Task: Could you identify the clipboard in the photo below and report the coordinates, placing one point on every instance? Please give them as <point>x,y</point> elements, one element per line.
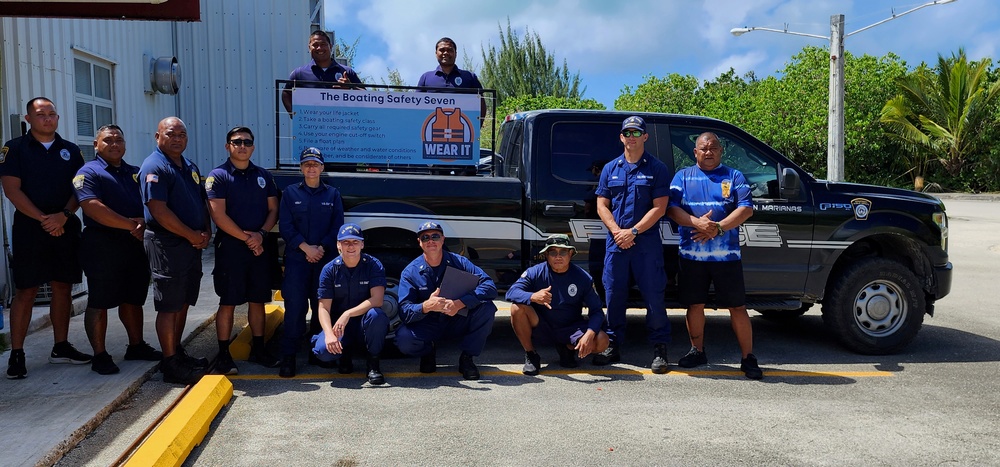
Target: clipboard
<point>457,283</point>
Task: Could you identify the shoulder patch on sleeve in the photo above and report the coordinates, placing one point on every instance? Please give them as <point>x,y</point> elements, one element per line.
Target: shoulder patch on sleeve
<point>78,181</point>
<point>3,154</point>
<point>209,181</point>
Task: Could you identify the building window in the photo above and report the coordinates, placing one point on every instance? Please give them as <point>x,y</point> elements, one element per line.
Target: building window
<point>94,101</point>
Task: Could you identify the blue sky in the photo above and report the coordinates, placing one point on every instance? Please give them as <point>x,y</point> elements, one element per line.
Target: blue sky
<point>614,44</point>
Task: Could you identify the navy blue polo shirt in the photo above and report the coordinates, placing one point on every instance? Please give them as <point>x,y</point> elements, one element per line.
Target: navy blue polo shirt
<point>632,189</point>
<point>116,187</point>
<point>456,79</point>
<point>348,287</point>
<point>179,186</point>
<point>571,290</point>
<point>46,174</point>
<point>313,72</point>
<point>245,191</point>
<point>310,215</point>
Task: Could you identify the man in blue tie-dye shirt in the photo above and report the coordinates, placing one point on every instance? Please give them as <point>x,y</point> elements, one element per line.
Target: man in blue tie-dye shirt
<point>709,201</point>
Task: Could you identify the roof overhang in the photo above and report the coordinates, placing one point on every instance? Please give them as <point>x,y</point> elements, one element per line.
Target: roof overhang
<point>153,10</point>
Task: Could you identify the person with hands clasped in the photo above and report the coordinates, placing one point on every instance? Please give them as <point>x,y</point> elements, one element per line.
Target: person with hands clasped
<point>547,305</point>
<point>428,316</point>
<point>351,289</point>
<point>309,216</point>
<point>631,198</point>
<point>709,202</point>
<point>243,202</point>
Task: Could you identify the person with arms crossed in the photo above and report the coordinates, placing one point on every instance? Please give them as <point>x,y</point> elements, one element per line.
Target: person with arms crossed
<point>36,171</point>
<point>309,217</point>
<point>111,249</point>
<point>449,75</point>
<point>177,231</point>
<point>709,202</point>
<point>547,305</point>
<point>631,198</point>
<point>243,203</point>
<point>429,317</point>
<point>322,67</point>
<point>351,288</point>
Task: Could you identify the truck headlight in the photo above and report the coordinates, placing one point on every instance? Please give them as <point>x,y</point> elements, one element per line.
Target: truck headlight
<point>941,219</point>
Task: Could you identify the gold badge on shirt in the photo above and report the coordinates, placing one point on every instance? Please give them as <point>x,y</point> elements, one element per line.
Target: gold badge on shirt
<point>195,177</point>
<point>726,186</point>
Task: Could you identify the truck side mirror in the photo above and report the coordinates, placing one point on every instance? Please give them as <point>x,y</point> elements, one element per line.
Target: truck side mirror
<point>790,183</point>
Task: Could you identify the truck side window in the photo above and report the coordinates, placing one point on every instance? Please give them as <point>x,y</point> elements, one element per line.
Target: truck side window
<point>510,148</point>
<point>760,171</point>
<point>581,149</point>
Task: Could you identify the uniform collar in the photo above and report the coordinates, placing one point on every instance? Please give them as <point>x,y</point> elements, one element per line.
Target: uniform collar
<point>231,169</point>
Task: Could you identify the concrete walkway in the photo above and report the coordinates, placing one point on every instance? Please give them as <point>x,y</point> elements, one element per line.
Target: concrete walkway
<point>46,414</point>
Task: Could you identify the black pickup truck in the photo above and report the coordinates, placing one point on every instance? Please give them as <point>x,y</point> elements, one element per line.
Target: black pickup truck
<point>875,257</point>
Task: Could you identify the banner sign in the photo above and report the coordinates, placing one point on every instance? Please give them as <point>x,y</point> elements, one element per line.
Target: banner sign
<point>387,127</point>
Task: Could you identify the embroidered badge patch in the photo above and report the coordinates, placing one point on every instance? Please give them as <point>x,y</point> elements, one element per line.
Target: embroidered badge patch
<point>78,182</point>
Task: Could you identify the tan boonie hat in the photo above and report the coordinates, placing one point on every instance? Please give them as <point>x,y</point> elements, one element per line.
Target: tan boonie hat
<point>558,241</point>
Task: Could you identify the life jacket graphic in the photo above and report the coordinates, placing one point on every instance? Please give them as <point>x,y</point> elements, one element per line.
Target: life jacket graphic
<point>448,126</point>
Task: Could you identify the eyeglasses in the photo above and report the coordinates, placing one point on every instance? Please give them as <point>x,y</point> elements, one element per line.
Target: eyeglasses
<point>427,238</point>
<point>554,252</point>
<point>632,133</point>
<point>242,142</point>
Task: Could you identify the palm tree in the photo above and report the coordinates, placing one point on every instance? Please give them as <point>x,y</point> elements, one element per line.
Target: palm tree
<point>941,113</point>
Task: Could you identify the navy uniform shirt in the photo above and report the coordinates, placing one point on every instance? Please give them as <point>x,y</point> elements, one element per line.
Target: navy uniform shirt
<point>419,280</point>
<point>312,72</point>
<point>571,290</point>
<point>348,287</point>
<point>456,79</point>
<point>116,187</point>
<point>245,191</point>
<point>310,215</point>
<point>632,189</point>
<point>180,187</point>
<point>46,174</point>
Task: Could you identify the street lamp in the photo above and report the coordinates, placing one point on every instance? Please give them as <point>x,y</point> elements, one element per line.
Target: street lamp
<point>835,125</point>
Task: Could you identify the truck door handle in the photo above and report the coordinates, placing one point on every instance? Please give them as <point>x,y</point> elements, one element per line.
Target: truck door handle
<point>564,210</point>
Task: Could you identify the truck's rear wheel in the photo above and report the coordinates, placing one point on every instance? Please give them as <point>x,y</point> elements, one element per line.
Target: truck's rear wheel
<point>876,306</point>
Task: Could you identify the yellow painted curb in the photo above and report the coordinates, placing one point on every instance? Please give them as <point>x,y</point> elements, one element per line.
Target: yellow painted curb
<point>184,428</point>
<point>239,348</point>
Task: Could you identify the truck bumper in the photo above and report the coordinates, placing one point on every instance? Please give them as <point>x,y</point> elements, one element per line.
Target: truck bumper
<point>942,278</point>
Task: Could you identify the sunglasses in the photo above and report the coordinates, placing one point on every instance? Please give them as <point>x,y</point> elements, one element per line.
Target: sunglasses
<point>429,237</point>
<point>242,142</point>
<point>558,252</point>
<point>632,133</point>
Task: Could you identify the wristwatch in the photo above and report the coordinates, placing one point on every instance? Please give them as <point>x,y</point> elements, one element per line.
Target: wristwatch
<point>719,226</point>
<point>635,232</point>
<point>67,213</point>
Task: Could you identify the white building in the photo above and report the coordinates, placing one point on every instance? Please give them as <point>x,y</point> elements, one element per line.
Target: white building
<point>99,71</point>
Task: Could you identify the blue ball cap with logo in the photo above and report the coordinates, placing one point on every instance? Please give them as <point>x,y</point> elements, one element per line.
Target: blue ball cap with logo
<point>350,232</point>
<point>310,154</point>
<point>429,225</point>
<point>634,123</point>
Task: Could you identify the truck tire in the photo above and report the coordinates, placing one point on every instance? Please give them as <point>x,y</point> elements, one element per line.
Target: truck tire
<point>875,307</point>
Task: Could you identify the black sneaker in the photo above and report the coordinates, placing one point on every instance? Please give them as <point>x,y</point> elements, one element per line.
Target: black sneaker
<point>315,361</point>
<point>428,363</point>
<point>16,368</point>
<point>693,358</point>
<point>610,355</point>
<point>567,357</point>
<point>143,351</point>
<point>177,370</point>
<point>224,365</point>
<point>467,367</point>
<point>532,363</point>
<point>345,365</point>
<point>375,376</point>
<point>262,358</point>
<point>103,364</point>
<point>287,369</point>
<point>750,368</point>
<point>64,352</point>
<point>660,363</point>
<point>199,363</point>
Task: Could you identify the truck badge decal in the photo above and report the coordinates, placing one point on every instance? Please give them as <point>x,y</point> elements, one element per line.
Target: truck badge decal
<point>447,134</point>
<point>861,207</point>
<point>727,184</point>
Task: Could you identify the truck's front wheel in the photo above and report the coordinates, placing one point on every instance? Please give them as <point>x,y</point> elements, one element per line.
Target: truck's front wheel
<point>876,306</point>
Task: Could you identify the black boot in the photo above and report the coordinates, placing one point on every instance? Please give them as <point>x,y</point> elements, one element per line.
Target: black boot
<point>375,376</point>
